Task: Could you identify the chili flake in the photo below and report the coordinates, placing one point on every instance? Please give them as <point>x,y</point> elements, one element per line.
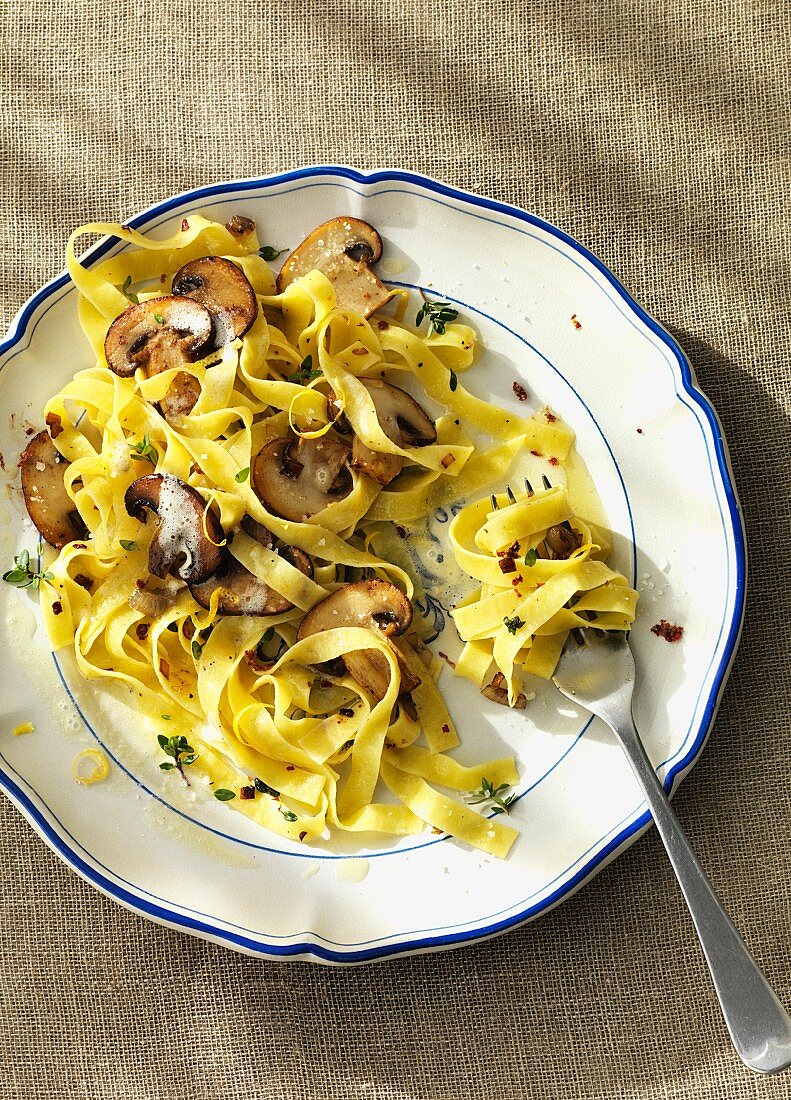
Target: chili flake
<point>669,631</point>
<point>520,391</point>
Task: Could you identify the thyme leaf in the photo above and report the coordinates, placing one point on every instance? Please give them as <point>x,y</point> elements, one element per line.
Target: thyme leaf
<point>488,793</point>
<point>268,252</point>
<point>133,298</point>
<point>179,750</point>
<point>305,372</point>
<point>264,788</point>
<point>144,452</point>
<point>438,315</point>
<point>22,575</point>
<point>513,624</point>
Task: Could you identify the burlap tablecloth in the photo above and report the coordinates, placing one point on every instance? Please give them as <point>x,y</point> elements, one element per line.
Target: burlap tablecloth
<point>656,134</point>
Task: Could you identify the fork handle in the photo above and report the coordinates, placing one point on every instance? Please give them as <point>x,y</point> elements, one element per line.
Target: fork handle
<point>759,1025</point>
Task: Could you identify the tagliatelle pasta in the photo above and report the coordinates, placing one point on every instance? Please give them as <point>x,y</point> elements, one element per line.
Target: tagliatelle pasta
<point>218,659</point>
<point>527,603</point>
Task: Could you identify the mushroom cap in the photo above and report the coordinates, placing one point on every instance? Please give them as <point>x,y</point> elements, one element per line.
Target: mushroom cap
<point>375,605</point>
<point>342,249</point>
<point>296,479</point>
<point>137,338</point>
<point>242,593</point>
<point>52,510</point>
<point>224,289</point>
<point>180,544</point>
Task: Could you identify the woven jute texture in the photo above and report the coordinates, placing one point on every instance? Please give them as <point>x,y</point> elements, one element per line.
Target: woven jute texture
<point>656,134</point>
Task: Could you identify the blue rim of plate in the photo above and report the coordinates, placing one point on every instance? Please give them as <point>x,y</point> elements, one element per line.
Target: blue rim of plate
<point>257,945</point>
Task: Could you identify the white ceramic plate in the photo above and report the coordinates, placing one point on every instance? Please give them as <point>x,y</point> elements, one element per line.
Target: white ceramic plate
<point>655,449</point>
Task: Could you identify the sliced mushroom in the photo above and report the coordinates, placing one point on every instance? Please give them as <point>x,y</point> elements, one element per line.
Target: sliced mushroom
<point>497,691</point>
<point>380,467</point>
<point>242,593</point>
<point>48,504</point>
<point>342,249</point>
<point>400,417</point>
<point>158,335</point>
<point>240,226</point>
<point>295,479</point>
<point>225,291</point>
<point>186,534</point>
<point>563,540</point>
<point>375,605</point>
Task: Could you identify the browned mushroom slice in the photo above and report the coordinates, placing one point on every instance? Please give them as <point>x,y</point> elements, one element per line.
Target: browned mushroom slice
<point>295,479</point>
<point>402,419</point>
<point>186,532</point>
<point>497,691</point>
<point>158,335</point>
<point>241,592</point>
<point>240,226</point>
<point>375,605</point>
<point>48,504</point>
<point>563,540</point>
<point>225,291</point>
<point>342,249</point>
<point>380,467</point>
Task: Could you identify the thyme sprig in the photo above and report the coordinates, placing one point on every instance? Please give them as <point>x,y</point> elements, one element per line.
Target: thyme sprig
<point>305,372</point>
<point>133,298</point>
<point>145,451</point>
<point>181,752</point>
<point>438,315</point>
<point>22,575</point>
<point>270,253</point>
<point>488,793</point>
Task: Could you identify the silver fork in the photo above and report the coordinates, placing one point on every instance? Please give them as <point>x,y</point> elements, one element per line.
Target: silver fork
<point>599,675</point>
